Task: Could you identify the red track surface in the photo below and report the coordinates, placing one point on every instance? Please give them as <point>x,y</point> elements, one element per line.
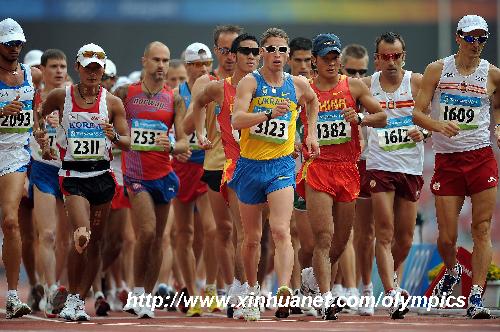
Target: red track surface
<point>211,322</point>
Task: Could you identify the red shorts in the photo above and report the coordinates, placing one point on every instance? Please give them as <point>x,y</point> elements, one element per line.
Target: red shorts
<point>120,200</point>
<point>364,191</point>
<point>407,186</point>
<point>227,175</point>
<point>464,173</point>
<point>339,179</point>
<point>191,187</point>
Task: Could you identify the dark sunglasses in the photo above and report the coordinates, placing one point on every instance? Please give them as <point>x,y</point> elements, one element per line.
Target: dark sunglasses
<point>273,49</point>
<point>223,50</point>
<point>389,56</point>
<point>248,50</point>
<point>14,43</point>
<point>472,39</point>
<point>353,72</point>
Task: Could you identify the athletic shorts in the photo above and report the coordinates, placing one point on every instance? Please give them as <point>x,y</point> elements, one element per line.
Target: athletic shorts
<point>120,200</point>
<point>46,178</point>
<point>253,180</point>
<point>191,187</point>
<point>227,175</point>
<point>212,179</point>
<point>14,160</point>
<point>364,190</point>
<point>97,190</point>
<point>464,173</point>
<point>298,202</point>
<point>162,190</point>
<point>404,185</point>
<point>338,179</point>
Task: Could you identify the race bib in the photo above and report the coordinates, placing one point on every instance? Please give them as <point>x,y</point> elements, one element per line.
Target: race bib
<point>193,140</point>
<point>332,128</point>
<point>19,123</point>
<point>394,136</point>
<point>465,110</point>
<point>144,133</point>
<point>87,143</point>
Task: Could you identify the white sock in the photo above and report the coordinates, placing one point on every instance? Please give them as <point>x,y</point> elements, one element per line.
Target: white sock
<point>139,290</point>
<point>12,293</point>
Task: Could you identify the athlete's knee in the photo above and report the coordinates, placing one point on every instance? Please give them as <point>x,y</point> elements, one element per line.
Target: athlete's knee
<point>225,233</point>
<point>10,224</point>
<point>324,240</point>
<point>281,235</point>
<point>252,240</point>
<point>481,231</point>
<point>47,238</point>
<point>81,237</point>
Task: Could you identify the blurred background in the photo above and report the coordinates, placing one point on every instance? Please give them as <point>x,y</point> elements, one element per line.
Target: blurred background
<point>124,27</point>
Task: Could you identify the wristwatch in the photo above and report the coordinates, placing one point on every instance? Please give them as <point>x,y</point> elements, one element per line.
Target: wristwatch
<point>361,117</point>
<point>269,114</point>
<point>116,139</point>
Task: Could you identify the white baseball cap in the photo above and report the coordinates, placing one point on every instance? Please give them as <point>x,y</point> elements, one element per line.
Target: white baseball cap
<point>33,58</point>
<point>110,69</point>
<point>469,23</point>
<point>11,30</point>
<point>197,52</point>
<point>95,54</point>
<point>135,76</point>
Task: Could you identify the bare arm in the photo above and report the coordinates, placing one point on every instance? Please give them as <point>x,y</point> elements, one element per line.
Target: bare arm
<point>428,86</point>
<point>36,76</point>
<point>495,102</point>
<point>181,144</point>
<point>377,117</point>
<point>198,86</point>
<point>241,118</point>
<point>117,122</point>
<point>308,97</point>
<point>213,91</point>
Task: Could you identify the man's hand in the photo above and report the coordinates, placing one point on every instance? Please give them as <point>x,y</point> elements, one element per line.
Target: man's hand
<point>109,130</point>
<point>448,128</point>
<point>416,135</point>
<point>497,135</point>
<point>312,146</point>
<point>14,108</point>
<point>48,153</point>
<point>163,141</point>
<point>280,109</point>
<point>204,143</point>
<point>184,157</point>
<point>53,119</point>
<point>296,150</point>
<point>350,115</point>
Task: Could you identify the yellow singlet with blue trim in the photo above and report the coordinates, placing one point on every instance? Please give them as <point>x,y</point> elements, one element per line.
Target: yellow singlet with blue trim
<point>274,138</point>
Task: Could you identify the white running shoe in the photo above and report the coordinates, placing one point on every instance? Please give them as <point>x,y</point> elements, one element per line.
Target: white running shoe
<point>15,308</point>
<point>251,312</point>
<point>68,311</point>
<point>130,307</point>
<point>309,285</point>
<point>366,308</point>
<point>146,312</point>
<point>80,314</point>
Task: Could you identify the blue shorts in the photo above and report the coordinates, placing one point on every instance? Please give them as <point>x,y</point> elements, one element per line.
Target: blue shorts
<point>46,178</point>
<point>253,180</point>
<point>162,190</point>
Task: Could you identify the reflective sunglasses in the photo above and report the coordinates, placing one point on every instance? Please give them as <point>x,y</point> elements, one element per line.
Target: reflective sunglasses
<point>273,49</point>
<point>248,50</point>
<point>223,50</point>
<point>472,39</point>
<point>14,43</point>
<point>199,64</point>
<point>389,56</point>
<point>92,54</point>
<point>353,72</point>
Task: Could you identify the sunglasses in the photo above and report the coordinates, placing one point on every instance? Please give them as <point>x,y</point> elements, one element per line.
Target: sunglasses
<point>273,49</point>
<point>472,39</point>
<point>248,50</point>
<point>389,56</point>
<point>14,43</point>
<point>223,50</point>
<point>199,64</point>
<point>92,54</point>
<point>353,72</point>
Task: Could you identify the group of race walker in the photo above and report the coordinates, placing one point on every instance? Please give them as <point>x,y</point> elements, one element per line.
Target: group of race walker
<point>310,174</point>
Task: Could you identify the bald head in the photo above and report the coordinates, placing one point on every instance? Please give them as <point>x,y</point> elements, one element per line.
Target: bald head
<point>156,45</point>
<point>156,60</point>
